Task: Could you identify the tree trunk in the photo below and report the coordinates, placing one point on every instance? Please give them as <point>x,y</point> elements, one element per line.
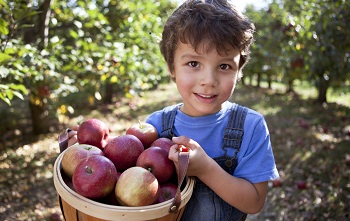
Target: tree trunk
<point>243,80</point>
<point>290,86</point>
<point>251,80</point>
<point>40,116</point>
<point>40,110</point>
<point>44,20</point>
<point>258,80</point>
<point>322,88</point>
<point>108,93</point>
<point>269,81</point>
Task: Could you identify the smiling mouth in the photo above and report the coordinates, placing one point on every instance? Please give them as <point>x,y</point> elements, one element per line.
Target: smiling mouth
<point>206,96</point>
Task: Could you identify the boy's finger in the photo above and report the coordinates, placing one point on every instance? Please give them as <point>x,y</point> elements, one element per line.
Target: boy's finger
<point>173,152</point>
<point>75,127</point>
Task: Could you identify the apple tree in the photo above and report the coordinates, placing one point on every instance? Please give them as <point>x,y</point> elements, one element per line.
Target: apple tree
<point>266,59</point>
<point>50,49</point>
<point>324,36</point>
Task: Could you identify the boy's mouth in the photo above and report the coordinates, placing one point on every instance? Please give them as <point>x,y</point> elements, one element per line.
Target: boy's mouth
<point>205,96</point>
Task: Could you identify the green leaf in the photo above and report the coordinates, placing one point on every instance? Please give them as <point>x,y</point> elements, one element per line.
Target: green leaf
<point>19,87</point>
<point>74,34</point>
<point>17,94</point>
<point>26,26</point>
<point>9,94</point>
<point>3,3</point>
<point>3,27</point>
<point>4,57</point>
<point>5,99</point>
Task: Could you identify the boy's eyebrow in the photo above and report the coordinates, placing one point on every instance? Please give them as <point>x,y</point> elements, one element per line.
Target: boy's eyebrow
<point>186,56</point>
<point>196,56</point>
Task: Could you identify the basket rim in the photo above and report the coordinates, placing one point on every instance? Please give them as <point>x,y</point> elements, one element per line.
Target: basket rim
<point>110,212</point>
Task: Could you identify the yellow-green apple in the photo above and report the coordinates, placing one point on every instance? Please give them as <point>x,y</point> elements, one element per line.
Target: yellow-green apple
<point>137,187</point>
<point>95,177</point>
<point>94,132</point>
<point>163,142</point>
<point>123,151</point>
<point>156,160</point>
<point>167,191</point>
<point>75,154</point>
<point>146,132</point>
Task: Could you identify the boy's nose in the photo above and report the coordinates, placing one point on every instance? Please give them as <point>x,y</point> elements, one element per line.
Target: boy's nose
<point>209,78</point>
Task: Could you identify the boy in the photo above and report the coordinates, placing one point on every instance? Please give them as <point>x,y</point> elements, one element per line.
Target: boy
<point>206,45</point>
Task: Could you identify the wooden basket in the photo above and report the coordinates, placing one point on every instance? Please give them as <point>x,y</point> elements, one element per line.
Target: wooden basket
<point>78,208</point>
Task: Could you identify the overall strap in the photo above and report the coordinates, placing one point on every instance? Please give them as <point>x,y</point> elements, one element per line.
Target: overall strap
<point>168,118</point>
<point>234,131</point>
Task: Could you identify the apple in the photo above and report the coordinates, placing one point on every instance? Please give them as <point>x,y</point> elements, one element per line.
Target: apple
<point>184,148</point>
<point>95,177</point>
<point>123,151</point>
<point>347,159</point>
<point>156,160</point>
<point>301,185</point>
<point>146,132</point>
<point>167,191</point>
<point>94,132</point>
<point>276,182</point>
<point>75,154</point>
<point>163,142</point>
<point>137,187</point>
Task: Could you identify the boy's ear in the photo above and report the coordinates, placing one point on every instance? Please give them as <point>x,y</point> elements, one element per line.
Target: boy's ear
<point>171,72</point>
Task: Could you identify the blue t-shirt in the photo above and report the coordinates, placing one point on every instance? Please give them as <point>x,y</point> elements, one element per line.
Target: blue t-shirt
<point>255,159</point>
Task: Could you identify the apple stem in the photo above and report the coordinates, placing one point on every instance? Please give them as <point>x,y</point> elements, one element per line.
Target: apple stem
<point>140,124</point>
<point>88,169</point>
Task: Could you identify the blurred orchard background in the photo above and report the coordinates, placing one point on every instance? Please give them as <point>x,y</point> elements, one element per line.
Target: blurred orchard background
<point>64,61</point>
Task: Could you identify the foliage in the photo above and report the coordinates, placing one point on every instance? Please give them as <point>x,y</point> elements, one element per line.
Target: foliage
<point>310,40</point>
<point>88,43</point>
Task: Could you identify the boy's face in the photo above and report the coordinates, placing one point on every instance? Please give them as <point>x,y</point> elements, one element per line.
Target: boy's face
<point>205,80</point>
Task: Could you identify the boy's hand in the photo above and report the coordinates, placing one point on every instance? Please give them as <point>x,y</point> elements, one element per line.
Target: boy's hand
<point>72,136</point>
<point>198,158</point>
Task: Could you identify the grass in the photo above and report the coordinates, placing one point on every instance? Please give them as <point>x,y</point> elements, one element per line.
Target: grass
<point>310,143</point>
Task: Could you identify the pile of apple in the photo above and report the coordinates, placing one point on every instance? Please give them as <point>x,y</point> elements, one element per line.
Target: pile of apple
<point>132,169</point>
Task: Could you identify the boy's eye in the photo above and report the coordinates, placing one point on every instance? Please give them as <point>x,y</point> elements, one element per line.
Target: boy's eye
<point>224,66</point>
<point>193,64</point>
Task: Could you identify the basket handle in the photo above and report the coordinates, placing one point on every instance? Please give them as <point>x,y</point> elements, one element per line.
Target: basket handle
<point>181,174</point>
<point>63,140</point>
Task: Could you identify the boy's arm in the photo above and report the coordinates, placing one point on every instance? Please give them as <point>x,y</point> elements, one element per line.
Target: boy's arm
<point>238,192</point>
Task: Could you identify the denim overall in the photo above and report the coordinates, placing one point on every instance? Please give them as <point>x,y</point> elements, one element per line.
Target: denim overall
<point>208,205</point>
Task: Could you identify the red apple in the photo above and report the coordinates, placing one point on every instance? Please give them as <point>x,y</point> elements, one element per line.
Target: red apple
<point>95,177</point>
<point>167,192</point>
<point>118,175</point>
<point>156,160</point>
<point>146,132</point>
<point>301,185</point>
<point>123,151</point>
<point>163,142</point>
<point>137,187</point>
<point>75,154</point>
<point>347,159</point>
<point>277,182</point>
<point>184,148</point>
<point>94,132</point>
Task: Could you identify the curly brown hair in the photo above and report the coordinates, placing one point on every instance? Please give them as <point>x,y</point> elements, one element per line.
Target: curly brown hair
<point>215,21</point>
